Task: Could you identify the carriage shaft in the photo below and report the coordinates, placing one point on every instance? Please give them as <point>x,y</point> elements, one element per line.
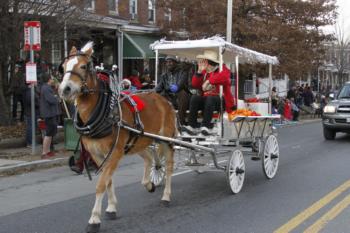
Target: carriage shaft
<point>189,145</point>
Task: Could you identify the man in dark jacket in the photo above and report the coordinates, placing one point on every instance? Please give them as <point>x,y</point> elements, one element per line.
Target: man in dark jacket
<point>49,110</point>
<point>17,89</point>
<point>308,97</point>
<point>173,86</point>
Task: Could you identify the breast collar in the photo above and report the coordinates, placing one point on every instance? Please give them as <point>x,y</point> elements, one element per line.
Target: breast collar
<point>101,120</point>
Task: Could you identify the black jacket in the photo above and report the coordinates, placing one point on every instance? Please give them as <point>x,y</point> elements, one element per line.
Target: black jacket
<point>178,76</point>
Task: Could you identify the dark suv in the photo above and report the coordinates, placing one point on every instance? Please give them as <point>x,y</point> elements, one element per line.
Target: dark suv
<point>336,114</point>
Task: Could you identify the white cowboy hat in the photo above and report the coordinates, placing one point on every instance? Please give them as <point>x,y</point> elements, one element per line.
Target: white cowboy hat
<point>209,55</point>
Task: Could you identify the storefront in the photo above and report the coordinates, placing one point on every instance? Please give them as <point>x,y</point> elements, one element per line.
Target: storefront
<point>137,54</point>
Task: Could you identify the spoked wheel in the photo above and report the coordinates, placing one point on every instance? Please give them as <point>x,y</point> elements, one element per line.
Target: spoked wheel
<point>235,171</point>
<point>271,155</point>
<point>158,168</point>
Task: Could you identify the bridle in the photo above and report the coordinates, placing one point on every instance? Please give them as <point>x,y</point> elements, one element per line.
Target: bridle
<point>89,69</point>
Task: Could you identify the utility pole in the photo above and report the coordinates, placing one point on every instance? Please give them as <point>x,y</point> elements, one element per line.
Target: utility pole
<point>229,22</point>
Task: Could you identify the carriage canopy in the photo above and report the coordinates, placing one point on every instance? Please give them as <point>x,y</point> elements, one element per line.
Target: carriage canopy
<point>189,49</point>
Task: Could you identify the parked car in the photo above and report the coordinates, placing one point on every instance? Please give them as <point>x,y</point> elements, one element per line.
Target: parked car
<point>336,114</point>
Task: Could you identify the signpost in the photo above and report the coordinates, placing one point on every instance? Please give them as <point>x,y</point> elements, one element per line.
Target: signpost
<point>32,42</point>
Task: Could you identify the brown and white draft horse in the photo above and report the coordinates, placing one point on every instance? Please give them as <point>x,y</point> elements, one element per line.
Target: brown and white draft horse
<point>81,85</point>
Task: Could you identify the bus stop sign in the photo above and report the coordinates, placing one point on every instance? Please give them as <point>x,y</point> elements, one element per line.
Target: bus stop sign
<point>32,35</point>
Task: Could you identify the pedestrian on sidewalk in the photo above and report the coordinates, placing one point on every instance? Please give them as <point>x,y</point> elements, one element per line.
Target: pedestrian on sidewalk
<point>17,89</point>
<point>287,110</point>
<point>295,110</point>
<point>49,110</point>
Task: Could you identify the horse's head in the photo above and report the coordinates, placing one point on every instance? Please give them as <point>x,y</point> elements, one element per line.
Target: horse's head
<point>77,72</point>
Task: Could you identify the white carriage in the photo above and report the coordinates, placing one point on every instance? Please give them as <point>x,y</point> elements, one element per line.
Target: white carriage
<point>252,136</point>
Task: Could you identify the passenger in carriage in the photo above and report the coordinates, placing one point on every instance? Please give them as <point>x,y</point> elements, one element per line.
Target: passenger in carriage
<point>208,80</point>
<point>173,85</point>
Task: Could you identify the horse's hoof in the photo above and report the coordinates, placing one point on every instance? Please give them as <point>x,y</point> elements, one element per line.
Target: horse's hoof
<point>93,228</point>
<point>111,215</point>
<point>165,203</point>
<point>153,188</point>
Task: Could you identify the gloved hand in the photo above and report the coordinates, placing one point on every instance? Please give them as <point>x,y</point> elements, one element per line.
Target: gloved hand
<point>174,88</point>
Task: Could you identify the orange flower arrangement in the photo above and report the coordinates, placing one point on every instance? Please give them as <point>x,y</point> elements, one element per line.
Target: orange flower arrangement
<point>242,112</point>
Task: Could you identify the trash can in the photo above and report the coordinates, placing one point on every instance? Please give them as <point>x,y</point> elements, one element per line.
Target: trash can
<point>71,136</point>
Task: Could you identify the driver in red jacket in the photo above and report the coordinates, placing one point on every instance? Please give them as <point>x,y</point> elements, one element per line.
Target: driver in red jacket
<point>208,80</point>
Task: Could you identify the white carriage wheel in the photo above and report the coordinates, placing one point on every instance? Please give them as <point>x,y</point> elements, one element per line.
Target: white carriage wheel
<point>235,171</point>
<point>157,172</point>
<point>271,155</point>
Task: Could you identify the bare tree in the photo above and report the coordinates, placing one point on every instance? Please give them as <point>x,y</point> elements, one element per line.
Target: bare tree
<point>341,49</point>
<point>52,14</point>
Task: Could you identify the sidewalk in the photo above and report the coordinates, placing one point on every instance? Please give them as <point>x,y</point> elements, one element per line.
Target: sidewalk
<point>19,159</point>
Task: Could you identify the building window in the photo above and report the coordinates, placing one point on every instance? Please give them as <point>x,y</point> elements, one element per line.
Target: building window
<point>56,53</point>
<point>133,8</point>
<point>113,6</point>
<point>90,5</point>
<point>151,11</point>
<point>167,15</point>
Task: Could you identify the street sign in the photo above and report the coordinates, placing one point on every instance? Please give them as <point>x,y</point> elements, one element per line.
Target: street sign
<point>31,76</point>
<point>32,35</point>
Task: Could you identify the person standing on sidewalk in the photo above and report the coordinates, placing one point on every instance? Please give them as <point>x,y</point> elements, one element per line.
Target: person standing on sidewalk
<point>49,110</point>
<point>17,89</point>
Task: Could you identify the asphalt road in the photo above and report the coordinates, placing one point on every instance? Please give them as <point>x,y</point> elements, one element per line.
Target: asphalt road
<point>304,196</point>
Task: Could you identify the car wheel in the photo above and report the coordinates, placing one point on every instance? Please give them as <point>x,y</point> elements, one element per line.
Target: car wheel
<point>328,134</point>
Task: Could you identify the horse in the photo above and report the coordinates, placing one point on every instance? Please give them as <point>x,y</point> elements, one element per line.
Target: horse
<point>158,117</point>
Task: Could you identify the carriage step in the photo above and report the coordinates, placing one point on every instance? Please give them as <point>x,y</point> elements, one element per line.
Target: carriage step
<point>255,158</point>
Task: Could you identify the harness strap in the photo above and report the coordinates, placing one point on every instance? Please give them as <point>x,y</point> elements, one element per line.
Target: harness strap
<point>99,169</point>
<point>131,141</point>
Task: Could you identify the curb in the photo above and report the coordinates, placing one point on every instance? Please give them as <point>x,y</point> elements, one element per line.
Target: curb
<point>298,123</point>
<point>30,166</point>
<point>20,142</point>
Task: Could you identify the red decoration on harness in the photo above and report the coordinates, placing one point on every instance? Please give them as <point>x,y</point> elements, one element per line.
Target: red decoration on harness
<point>140,105</point>
<point>103,77</point>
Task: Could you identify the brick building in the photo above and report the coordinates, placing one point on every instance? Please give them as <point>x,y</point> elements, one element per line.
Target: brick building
<point>121,30</point>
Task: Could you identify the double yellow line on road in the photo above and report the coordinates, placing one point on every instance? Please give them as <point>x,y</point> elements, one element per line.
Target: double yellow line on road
<point>320,223</point>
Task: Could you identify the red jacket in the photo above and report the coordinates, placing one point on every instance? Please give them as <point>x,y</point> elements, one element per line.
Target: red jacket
<point>288,111</point>
<point>216,78</point>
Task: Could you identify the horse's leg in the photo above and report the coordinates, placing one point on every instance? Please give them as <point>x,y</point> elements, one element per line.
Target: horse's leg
<point>102,183</point>
<point>111,211</point>
<point>169,153</point>
<point>146,180</point>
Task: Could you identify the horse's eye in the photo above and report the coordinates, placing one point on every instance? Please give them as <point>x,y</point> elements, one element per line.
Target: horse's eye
<point>83,67</point>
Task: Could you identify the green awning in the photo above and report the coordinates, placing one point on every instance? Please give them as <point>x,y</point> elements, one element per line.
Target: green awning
<point>137,46</point>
